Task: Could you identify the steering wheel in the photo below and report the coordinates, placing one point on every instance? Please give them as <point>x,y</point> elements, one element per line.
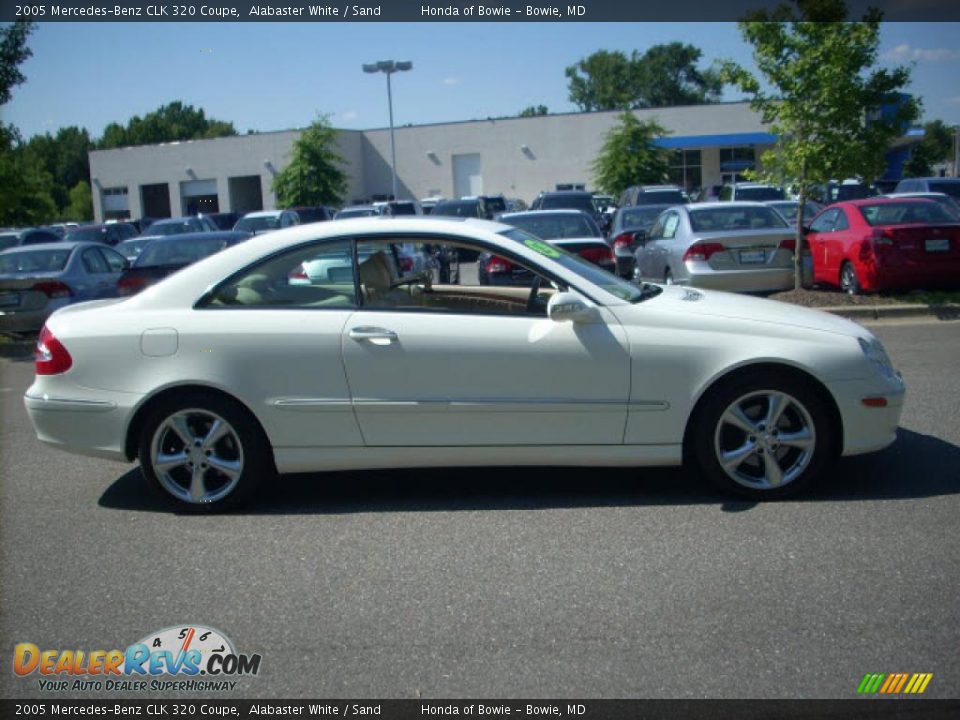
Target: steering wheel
<point>532,300</point>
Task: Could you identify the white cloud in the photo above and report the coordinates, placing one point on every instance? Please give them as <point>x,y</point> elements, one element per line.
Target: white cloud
<point>904,52</point>
<point>451,81</point>
<point>955,100</point>
<point>350,115</point>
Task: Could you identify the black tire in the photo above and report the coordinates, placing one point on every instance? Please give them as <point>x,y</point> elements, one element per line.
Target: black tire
<point>849,282</point>
<point>753,394</point>
<point>231,467</point>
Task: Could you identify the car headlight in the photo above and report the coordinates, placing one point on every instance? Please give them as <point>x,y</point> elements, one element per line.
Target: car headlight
<point>876,354</point>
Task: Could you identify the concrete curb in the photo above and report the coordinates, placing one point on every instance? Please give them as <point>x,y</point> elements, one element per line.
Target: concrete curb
<point>895,312</point>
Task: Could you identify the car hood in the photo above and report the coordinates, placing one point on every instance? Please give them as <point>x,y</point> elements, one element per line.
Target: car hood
<point>732,306</point>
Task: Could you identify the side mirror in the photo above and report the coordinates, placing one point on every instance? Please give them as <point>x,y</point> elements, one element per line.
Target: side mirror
<point>805,229</point>
<point>640,237</point>
<point>570,307</point>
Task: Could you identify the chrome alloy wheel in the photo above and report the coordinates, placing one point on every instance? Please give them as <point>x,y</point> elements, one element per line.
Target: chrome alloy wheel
<point>765,439</point>
<point>197,456</point>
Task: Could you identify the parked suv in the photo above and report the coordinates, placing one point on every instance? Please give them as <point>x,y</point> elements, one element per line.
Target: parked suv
<point>754,192</point>
<point>653,195</point>
<point>946,185</point>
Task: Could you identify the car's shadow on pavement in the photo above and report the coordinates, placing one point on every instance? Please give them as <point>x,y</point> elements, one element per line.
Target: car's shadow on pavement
<point>916,466</point>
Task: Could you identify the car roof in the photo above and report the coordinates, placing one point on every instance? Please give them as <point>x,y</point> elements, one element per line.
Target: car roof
<point>553,211</point>
<point>734,204</point>
<point>262,213</point>
<point>882,200</point>
<point>194,236</point>
<point>62,245</point>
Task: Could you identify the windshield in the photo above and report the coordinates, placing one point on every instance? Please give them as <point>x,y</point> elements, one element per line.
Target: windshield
<point>762,192</point>
<point>34,261</point>
<point>905,213</point>
<point>176,227</point>
<point>640,217</point>
<point>178,252</point>
<point>467,208</point>
<point>722,219</point>
<point>790,208</point>
<point>572,202</point>
<point>257,224</point>
<point>661,197</point>
<point>555,226</point>
<point>355,212</point>
<point>131,248</point>
<point>584,268</point>
<point>87,235</point>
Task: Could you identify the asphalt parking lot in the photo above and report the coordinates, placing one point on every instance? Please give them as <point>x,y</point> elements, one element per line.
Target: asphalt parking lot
<point>511,582</point>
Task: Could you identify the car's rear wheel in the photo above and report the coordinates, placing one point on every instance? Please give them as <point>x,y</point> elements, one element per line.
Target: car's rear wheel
<point>763,436</point>
<point>849,282</point>
<point>203,452</point>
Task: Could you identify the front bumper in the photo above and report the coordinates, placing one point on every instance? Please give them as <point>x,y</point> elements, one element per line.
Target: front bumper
<point>868,429</point>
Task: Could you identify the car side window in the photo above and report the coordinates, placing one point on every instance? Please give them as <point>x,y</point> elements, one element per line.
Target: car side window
<point>841,222</point>
<point>114,260</point>
<point>824,223</point>
<point>656,232</point>
<point>316,276</point>
<point>433,275</point>
<point>93,262</point>
<point>670,224</point>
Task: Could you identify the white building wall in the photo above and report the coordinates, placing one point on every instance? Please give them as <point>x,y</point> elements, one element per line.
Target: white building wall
<point>519,156</point>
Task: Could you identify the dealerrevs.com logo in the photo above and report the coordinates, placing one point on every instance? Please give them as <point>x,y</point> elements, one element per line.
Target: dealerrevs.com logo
<point>200,658</point>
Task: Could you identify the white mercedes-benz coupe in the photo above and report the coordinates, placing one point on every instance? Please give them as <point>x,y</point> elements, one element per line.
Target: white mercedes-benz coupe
<point>241,366</point>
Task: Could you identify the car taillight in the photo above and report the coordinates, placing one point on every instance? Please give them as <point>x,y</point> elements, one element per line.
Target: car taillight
<point>623,240</point>
<point>498,265</point>
<point>406,264</point>
<point>882,237</point>
<point>298,273</point>
<point>702,251</point>
<point>53,289</point>
<point>131,285</point>
<point>50,357</point>
<point>598,255</point>
<point>788,244</point>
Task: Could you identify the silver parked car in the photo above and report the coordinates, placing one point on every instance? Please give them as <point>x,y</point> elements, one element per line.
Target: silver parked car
<point>737,246</point>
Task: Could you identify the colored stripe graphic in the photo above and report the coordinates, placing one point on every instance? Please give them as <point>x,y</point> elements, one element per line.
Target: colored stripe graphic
<point>894,683</point>
<point>870,683</point>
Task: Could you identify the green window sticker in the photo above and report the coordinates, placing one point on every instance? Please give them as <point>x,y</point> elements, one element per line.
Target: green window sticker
<point>542,248</point>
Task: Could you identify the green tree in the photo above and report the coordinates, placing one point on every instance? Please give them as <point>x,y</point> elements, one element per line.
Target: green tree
<point>825,98</point>
<point>630,157</point>
<point>65,156</point>
<point>80,206</point>
<point>664,75</point>
<point>25,197</point>
<point>534,110</point>
<point>602,81</point>
<point>173,121</point>
<point>13,51</point>
<point>936,147</point>
<point>314,175</point>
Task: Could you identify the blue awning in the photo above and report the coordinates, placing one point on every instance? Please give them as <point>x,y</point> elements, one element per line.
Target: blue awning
<point>701,141</point>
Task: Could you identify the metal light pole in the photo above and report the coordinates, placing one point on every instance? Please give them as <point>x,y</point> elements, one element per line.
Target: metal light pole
<point>389,67</point>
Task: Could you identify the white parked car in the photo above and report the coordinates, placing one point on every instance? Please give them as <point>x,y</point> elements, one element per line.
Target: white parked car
<point>226,372</point>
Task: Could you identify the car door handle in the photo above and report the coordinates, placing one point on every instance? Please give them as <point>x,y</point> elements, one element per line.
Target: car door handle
<point>373,333</point>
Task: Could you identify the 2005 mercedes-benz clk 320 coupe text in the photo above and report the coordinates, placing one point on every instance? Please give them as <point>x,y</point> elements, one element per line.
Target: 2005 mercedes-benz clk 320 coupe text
<point>245,364</point>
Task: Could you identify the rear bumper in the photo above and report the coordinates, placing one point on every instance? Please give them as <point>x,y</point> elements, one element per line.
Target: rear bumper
<point>95,427</point>
<point>760,280</point>
<point>889,276</point>
<point>21,321</point>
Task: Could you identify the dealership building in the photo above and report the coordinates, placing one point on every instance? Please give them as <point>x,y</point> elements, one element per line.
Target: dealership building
<point>518,157</point>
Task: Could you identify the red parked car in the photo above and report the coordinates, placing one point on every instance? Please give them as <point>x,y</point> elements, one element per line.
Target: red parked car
<point>885,244</point>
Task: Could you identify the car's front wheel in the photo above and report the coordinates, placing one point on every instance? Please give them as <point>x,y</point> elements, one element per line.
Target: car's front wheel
<point>763,436</point>
<point>204,452</point>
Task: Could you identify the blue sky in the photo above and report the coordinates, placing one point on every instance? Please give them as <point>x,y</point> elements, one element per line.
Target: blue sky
<point>275,76</point>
